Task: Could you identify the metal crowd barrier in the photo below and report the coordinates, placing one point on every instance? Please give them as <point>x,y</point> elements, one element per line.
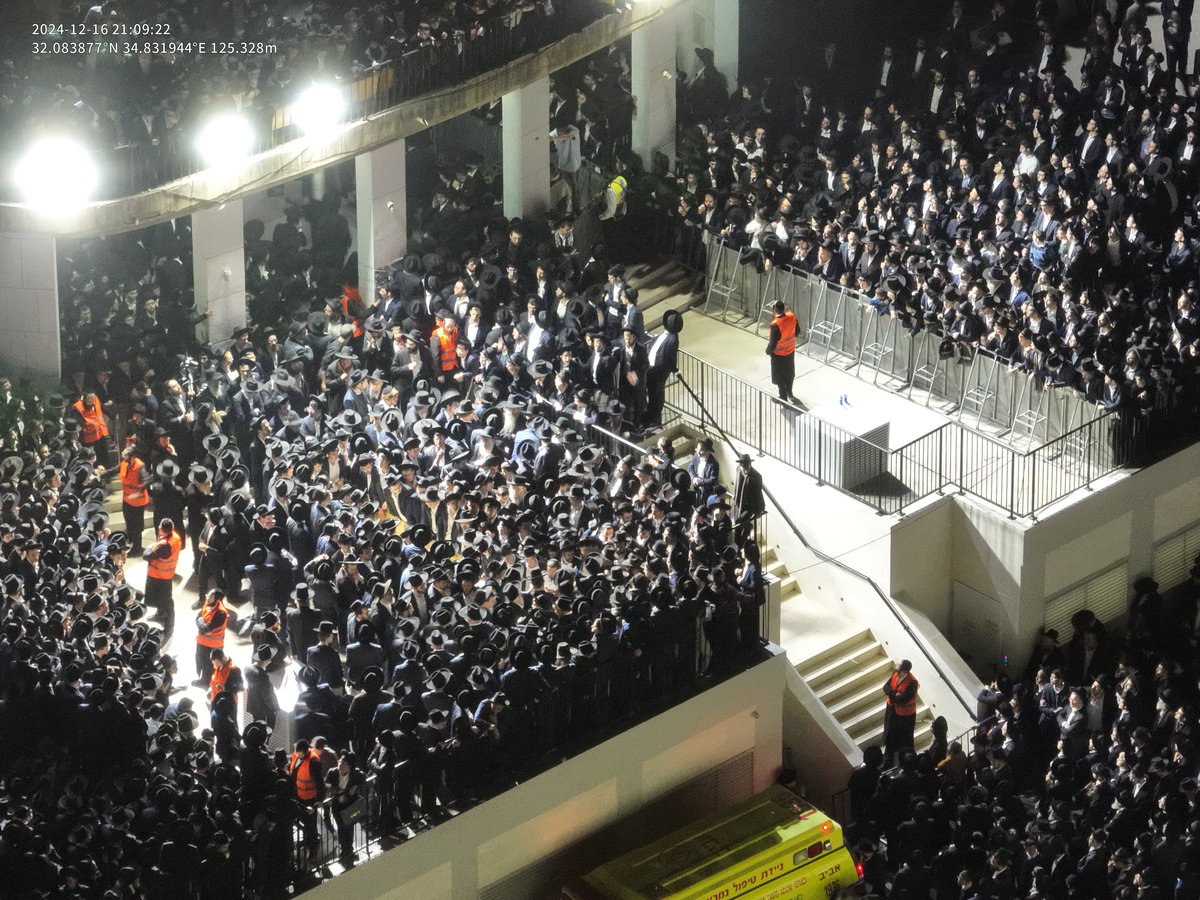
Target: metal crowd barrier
<point>952,457</point>
<point>840,326</point>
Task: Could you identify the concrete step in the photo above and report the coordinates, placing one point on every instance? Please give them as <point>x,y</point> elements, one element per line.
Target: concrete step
<point>922,734</point>
<point>832,656</point>
<point>864,722</point>
<point>655,276</point>
<point>849,705</point>
<point>681,302</point>
<point>849,669</point>
<point>847,682</point>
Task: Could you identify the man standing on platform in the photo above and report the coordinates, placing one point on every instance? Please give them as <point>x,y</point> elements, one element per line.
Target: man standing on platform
<point>781,347</point>
<point>900,717</point>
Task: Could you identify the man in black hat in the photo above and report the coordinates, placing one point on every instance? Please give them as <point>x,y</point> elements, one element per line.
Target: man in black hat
<point>323,657</point>
<point>748,499</point>
<point>632,365</point>
<point>261,703</point>
<point>662,362</point>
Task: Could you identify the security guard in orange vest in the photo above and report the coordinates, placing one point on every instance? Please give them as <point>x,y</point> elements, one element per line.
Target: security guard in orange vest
<point>134,496</point>
<point>900,717</point>
<point>308,779</point>
<point>444,345</point>
<point>210,634</point>
<point>161,560</point>
<point>94,433</point>
<point>224,675</point>
<point>781,347</point>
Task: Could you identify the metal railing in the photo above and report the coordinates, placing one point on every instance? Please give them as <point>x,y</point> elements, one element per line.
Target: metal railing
<point>951,457</point>
<point>755,529</point>
<point>781,509</point>
<point>133,168</point>
<point>842,326</point>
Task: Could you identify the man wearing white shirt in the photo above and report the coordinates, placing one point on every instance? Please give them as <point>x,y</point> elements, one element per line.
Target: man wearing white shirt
<point>663,360</point>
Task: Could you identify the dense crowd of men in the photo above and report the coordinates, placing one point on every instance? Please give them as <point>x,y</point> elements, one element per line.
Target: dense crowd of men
<point>150,105</point>
<point>973,190</point>
<point>411,498</point>
<point>1079,782</point>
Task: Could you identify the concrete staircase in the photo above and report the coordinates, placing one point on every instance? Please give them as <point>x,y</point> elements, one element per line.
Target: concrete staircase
<point>847,678</point>
<point>663,286</point>
<point>773,565</point>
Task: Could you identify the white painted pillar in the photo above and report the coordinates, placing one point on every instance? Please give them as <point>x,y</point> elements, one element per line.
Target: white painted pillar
<point>29,336</point>
<point>713,24</point>
<point>219,267</point>
<point>381,192</point>
<point>652,77</point>
<point>526,143</point>
<point>726,27</point>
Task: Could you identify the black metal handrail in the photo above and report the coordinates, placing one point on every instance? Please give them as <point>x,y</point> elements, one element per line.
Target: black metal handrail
<point>951,457</point>
<point>825,557</point>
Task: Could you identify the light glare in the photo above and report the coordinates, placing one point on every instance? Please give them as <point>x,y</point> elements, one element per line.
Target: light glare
<point>224,139</point>
<point>56,173</point>
<point>318,108</point>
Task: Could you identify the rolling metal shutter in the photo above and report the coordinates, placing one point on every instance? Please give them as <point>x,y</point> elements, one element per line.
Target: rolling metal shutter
<point>1106,595</point>
<point>1173,557</point>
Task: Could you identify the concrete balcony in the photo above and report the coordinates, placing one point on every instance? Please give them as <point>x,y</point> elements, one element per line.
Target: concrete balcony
<point>390,108</point>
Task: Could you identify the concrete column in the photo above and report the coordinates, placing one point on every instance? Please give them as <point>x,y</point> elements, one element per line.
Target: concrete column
<point>219,267</point>
<point>381,191</point>
<point>526,142</point>
<point>29,337</point>
<point>714,24</point>
<point>726,26</point>
<point>654,120</point>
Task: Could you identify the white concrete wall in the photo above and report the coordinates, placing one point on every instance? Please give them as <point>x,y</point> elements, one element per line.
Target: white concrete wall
<point>815,745</point>
<point>526,140</point>
<point>653,54</point>
<point>582,795</point>
<point>381,184</point>
<point>1016,565</point>
<point>219,267</point>
<point>29,340</point>
<point>848,530</point>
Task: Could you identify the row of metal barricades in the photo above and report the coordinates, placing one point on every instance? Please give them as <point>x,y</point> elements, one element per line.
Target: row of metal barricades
<point>839,326</point>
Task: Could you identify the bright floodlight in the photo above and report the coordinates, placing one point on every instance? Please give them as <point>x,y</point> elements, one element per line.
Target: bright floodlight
<point>225,138</point>
<point>318,108</point>
<point>56,173</point>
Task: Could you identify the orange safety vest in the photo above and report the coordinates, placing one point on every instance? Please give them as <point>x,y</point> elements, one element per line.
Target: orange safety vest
<point>447,342</point>
<point>220,677</point>
<point>352,293</point>
<point>94,428</point>
<point>164,569</point>
<point>301,769</point>
<point>216,637</point>
<point>896,683</point>
<point>133,492</point>
<point>786,323</point>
